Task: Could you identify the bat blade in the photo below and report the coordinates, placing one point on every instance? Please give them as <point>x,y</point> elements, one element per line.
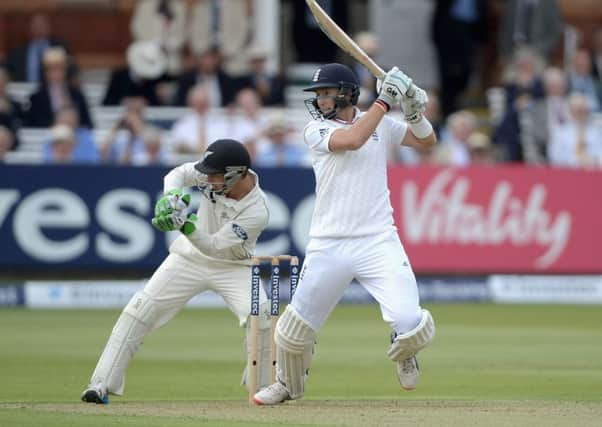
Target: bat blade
<point>342,40</point>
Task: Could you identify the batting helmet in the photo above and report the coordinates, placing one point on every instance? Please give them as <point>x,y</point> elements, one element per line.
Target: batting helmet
<point>334,76</point>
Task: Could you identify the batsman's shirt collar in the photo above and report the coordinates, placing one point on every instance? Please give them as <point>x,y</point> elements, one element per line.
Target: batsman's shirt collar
<point>355,117</point>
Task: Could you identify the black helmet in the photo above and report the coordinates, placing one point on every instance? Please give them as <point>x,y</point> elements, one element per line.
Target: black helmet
<point>225,156</point>
<point>336,76</point>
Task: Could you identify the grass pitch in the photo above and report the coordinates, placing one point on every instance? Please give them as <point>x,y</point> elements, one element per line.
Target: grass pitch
<point>490,365</point>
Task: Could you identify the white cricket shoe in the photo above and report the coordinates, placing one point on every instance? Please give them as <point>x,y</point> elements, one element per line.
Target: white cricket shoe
<point>96,394</point>
<point>408,373</point>
<point>272,395</point>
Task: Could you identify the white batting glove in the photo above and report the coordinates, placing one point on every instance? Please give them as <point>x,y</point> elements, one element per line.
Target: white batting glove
<point>399,77</point>
<point>414,106</point>
<point>393,86</point>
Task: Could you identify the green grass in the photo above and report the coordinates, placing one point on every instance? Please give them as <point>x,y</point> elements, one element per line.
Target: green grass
<point>489,365</point>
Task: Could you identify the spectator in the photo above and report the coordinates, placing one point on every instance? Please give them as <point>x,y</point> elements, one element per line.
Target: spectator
<point>55,93</point>
<point>533,23</point>
<point>479,148</point>
<point>249,123</point>
<point>84,150</point>
<point>578,143</point>
<point>453,150</point>
<point>269,87</point>
<point>524,87</point>
<point>597,57</point>
<point>220,86</point>
<point>227,24</point>
<point>278,146</point>
<point>62,144</point>
<point>153,152</point>
<point>309,41</point>
<point>141,78</point>
<point>124,142</point>
<point>6,142</point>
<point>581,79</point>
<point>24,62</point>
<point>163,22</point>
<point>458,28</point>
<point>192,132</point>
<point>540,118</point>
<point>11,112</point>
<point>523,77</point>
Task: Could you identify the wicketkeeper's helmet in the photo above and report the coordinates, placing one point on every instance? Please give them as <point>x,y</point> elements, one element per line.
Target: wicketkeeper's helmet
<point>225,156</point>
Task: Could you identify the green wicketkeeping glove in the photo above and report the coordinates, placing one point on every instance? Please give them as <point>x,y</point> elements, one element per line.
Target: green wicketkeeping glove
<point>172,201</point>
<point>189,225</point>
<point>169,222</point>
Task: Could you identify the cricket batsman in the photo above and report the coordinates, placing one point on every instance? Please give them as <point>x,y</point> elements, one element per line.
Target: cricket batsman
<point>352,234</point>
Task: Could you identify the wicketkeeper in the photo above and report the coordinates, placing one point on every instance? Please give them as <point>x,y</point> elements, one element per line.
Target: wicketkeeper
<point>213,252</point>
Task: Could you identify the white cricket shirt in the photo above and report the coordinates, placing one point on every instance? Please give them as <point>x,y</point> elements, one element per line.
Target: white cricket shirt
<point>228,228</point>
<point>352,197</point>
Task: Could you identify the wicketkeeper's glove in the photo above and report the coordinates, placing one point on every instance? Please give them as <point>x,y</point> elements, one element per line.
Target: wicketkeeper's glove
<point>169,222</point>
<point>172,201</point>
<point>176,221</point>
<point>189,224</point>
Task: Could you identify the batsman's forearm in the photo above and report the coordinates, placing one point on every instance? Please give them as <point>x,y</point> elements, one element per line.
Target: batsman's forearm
<point>366,125</point>
<point>360,131</point>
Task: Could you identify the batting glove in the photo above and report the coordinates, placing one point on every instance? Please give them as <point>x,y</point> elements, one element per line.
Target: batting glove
<point>394,86</point>
<point>390,89</point>
<point>414,106</point>
<point>172,201</point>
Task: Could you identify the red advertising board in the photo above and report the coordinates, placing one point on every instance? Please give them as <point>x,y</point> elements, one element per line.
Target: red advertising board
<point>502,219</point>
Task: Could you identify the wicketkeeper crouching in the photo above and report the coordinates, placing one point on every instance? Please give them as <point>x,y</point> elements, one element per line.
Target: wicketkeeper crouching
<point>213,252</point>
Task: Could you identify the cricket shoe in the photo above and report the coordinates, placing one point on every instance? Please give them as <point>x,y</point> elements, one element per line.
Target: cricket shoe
<point>272,395</point>
<point>96,394</point>
<point>408,373</point>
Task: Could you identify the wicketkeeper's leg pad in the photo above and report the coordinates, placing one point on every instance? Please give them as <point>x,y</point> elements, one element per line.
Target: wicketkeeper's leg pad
<point>294,347</point>
<point>134,323</point>
<point>409,344</point>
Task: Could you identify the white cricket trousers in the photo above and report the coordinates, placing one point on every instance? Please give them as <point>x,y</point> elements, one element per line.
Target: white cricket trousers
<point>379,263</point>
<point>175,282</point>
<point>179,278</point>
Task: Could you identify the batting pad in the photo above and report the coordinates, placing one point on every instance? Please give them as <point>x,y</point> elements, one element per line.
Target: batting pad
<point>294,346</point>
<point>408,344</point>
<point>135,322</point>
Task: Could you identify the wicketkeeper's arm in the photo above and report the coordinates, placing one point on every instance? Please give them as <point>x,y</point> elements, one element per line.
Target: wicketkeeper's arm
<point>233,234</point>
<point>182,176</point>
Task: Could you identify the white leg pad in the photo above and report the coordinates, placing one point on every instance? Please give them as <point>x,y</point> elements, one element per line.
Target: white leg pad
<point>409,344</point>
<point>264,362</point>
<point>134,323</point>
<point>294,347</point>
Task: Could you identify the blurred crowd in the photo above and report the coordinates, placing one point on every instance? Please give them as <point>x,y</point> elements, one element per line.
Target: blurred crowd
<point>188,54</point>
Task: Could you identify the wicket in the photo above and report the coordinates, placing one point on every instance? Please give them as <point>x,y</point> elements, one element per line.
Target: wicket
<point>274,310</point>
